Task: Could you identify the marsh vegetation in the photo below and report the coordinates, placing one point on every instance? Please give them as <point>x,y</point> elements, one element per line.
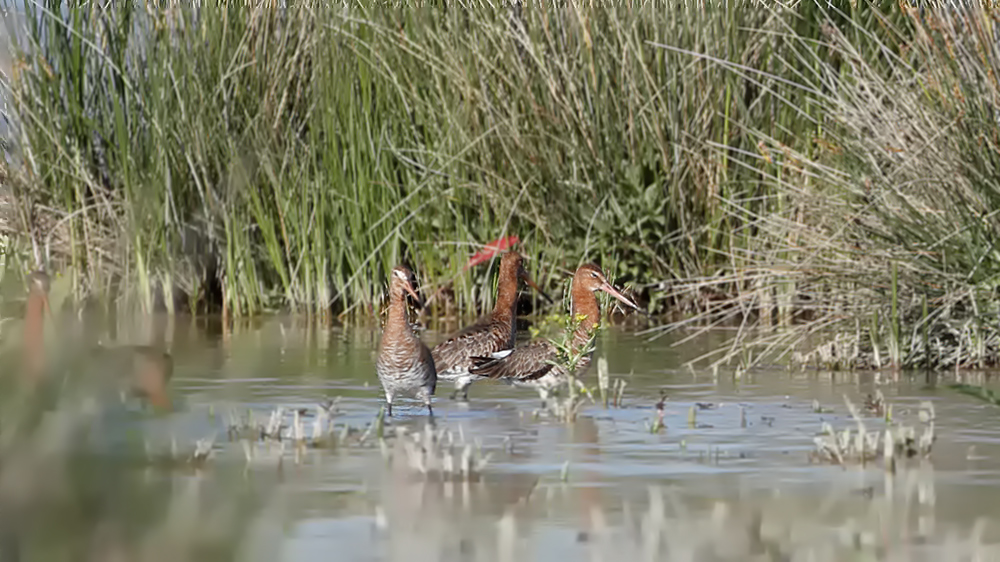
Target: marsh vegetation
<point>803,196</point>
<point>817,167</point>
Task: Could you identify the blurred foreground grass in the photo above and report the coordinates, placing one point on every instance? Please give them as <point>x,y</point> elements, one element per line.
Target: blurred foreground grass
<point>80,479</point>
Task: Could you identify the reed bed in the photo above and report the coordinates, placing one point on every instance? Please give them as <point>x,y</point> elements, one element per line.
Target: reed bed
<point>288,156</point>
<point>884,256</point>
<point>824,168</point>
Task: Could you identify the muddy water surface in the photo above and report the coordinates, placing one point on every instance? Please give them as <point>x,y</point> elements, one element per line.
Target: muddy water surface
<point>733,481</point>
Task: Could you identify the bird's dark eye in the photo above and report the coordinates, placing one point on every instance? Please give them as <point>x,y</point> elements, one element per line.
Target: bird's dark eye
<point>593,274</point>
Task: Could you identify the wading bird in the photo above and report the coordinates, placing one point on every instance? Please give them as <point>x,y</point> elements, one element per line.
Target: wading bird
<point>535,364</point>
<point>453,357</point>
<point>404,364</point>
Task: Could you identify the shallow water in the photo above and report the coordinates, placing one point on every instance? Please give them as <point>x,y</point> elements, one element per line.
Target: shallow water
<point>738,478</point>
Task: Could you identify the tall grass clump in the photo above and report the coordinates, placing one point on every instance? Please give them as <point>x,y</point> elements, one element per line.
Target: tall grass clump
<point>891,238</point>
<point>290,156</point>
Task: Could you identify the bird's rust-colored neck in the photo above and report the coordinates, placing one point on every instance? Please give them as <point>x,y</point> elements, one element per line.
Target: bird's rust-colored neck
<point>587,309</point>
<point>396,324</point>
<point>506,291</point>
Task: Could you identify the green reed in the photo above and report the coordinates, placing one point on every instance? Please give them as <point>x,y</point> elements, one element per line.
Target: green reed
<point>815,166</point>
<point>268,157</point>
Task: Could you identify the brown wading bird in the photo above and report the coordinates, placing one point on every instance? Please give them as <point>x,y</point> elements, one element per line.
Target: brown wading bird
<point>404,364</point>
<point>149,369</point>
<point>453,357</point>
<point>533,364</point>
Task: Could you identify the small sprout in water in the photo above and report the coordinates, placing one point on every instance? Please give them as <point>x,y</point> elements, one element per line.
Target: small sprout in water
<point>658,424</point>
<point>619,392</point>
<point>330,406</point>
<point>661,404</point>
<point>202,451</point>
<point>380,423</point>
<point>298,431</point>
<point>818,409</point>
<point>876,404</point>
<point>889,452</point>
<point>602,379</point>
<point>926,411</point>
<point>692,417</point>
<point>564,474</point>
